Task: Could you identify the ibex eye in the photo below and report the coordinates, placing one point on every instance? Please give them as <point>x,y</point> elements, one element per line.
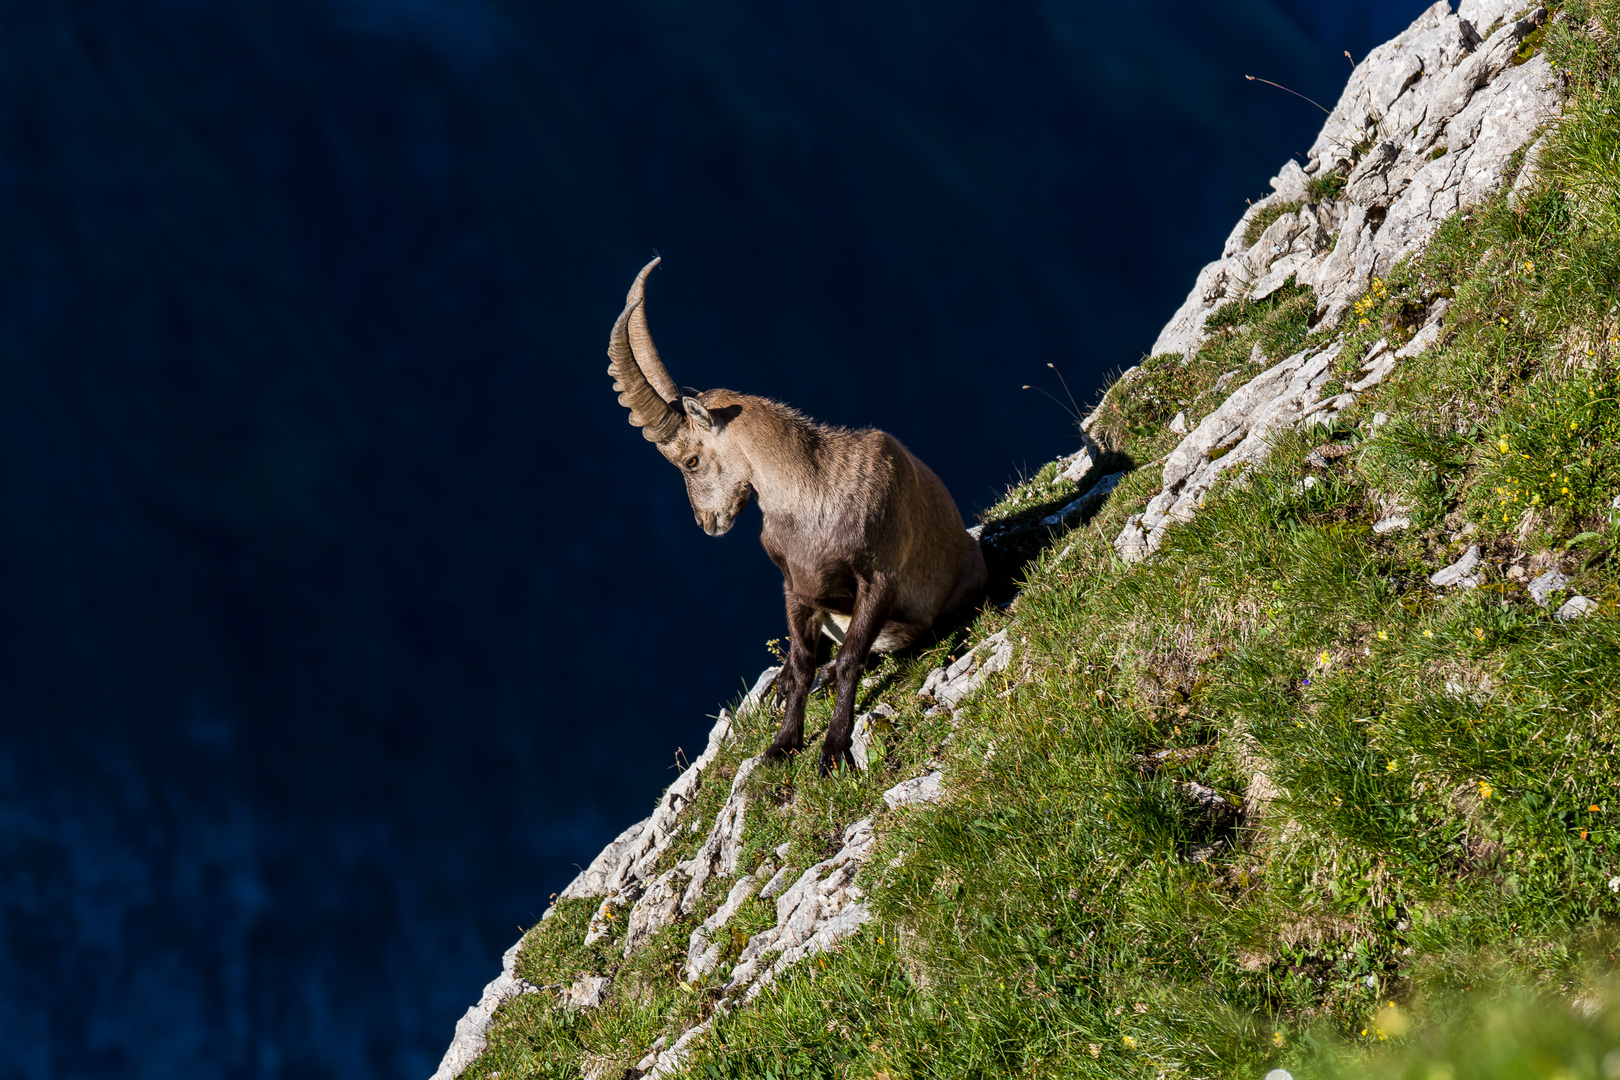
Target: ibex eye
<point>691,462</point>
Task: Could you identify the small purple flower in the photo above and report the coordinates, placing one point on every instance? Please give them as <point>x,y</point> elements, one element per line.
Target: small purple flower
<point>1306,681</point>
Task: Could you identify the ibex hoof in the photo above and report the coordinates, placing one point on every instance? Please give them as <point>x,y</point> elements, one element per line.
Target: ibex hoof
<point>780,751</point>
<point>831,763</point>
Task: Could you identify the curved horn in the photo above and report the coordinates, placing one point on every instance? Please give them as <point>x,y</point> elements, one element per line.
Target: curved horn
<point>641,342</point>
<point>657,416</point>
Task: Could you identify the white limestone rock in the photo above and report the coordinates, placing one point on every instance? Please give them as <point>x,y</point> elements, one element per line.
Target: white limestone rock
<point>1441,119</point>
<point>669,1062</point>
<point>1185,330</point>
<point>868,726</point>
<point>1428,335</point>
<point>652,1055</point>
<point>1132,542</point>
<point>1460,573</point>
<point>701,956</point>
<point>622,871</point>
<point>585,992</point>
<point>723,846</point>
<point>1239,433</point>
<point>628,863</point>
<point>472,1030</point>
<point>1087,503</point>
<point>1546,584</point>
<point>1377,364</point>
<point>928,788</point>
<point>1575,607</point>
<point>1289,183</point>
<point>949,685</point>
<point>1080,462</point>
<point>778,882</point>
<point>1482,13</point>
<point>656,909</point>
<point>819,909</point>
<point>762,686</point>
<point>593,880</point>
<point>603,919</point>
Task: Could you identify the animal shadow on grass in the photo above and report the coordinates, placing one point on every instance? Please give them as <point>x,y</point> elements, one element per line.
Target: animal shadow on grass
<point>1012,543</point>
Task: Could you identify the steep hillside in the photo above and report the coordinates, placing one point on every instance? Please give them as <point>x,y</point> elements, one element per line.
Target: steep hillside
<point>1292,742</point>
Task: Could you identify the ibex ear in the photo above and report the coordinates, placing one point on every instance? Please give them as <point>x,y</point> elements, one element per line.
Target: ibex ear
<point>702,417</point>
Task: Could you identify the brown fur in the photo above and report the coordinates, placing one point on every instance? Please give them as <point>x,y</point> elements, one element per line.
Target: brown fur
<point>857,525</point>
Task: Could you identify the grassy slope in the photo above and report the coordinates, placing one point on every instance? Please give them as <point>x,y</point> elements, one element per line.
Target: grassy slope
<point>1437,829</point>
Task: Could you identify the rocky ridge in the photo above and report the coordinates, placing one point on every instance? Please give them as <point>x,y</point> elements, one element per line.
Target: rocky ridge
<point>1431,122</point>
<point>815,907</point>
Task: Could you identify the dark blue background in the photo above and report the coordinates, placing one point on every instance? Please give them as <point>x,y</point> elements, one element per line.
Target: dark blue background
<point>342,612</point>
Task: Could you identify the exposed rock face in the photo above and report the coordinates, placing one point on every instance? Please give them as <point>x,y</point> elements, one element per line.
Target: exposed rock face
<point>701,957</point>
<point>1237,433</point>
<point>1426,125</point>
<point>1460,573</point>
<point>1542,586</point>
<point>472,1028</point>
<point>949,685</point>
<point>818,909</point>
<point>927,788</point>
<point>623,875</point>
<point>1092,499</point>
<point>593,880</point>
<point>815,908</point>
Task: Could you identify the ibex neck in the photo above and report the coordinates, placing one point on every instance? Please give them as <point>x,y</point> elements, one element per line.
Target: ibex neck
<point>782,448</point>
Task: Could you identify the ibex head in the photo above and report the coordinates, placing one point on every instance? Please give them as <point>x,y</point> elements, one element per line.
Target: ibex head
<point>689,428</point>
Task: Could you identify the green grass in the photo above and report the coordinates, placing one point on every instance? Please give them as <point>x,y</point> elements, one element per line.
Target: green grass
<point>1325,186</point>
<point>1245,338</point>
<point>1268,214</point>
<point>1419,884</point>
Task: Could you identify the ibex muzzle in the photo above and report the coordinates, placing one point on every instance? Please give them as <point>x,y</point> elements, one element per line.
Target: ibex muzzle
<point>871,547</point>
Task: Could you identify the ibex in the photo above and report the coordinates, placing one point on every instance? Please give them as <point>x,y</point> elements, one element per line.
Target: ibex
<point>871,547</point>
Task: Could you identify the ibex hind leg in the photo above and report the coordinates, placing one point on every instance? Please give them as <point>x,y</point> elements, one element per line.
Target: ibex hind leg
<point>794,683</point>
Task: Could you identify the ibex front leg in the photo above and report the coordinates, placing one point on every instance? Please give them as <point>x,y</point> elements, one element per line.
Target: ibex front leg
<point>793,685</point>
<point>874,599</point>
